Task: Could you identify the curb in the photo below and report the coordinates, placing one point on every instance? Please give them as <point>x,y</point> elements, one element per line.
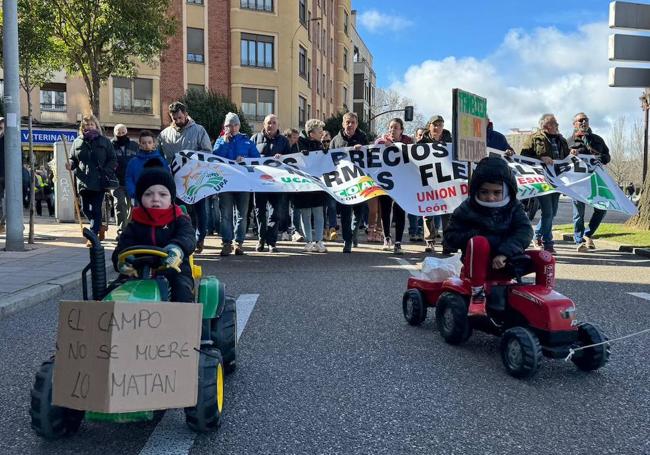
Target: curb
<point>43,292</point>
<point>644,252</point>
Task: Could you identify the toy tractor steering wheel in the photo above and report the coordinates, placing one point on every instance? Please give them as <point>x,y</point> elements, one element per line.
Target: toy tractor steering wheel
<point>143,258</point>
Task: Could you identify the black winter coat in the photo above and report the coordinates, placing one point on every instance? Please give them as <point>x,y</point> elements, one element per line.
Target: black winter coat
<point>427,139</point>
<point>90,159</point>
<point>124,155</point>
<point>310,198</point>
<point>279,144</point>
<point>179,232</point>
<point>590,144</point>
<point>341,140</point>
<point>507,228</point>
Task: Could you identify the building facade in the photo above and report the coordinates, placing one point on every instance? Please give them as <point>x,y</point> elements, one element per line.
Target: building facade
<point>365,80</point>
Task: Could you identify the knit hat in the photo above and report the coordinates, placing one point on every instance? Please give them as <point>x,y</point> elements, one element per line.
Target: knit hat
<point>231,119</point>
<point>154,176</point>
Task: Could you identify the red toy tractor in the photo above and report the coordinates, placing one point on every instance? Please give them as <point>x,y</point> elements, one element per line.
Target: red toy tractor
<point>532,318</point>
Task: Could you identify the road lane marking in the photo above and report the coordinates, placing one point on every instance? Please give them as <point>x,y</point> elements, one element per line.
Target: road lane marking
<point>411,268</point>
<point>171,435</point>
<point>641,295</point>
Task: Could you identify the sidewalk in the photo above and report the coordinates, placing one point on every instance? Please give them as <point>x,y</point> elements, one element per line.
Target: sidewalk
<point>643,252</point>
<point>47,269</point>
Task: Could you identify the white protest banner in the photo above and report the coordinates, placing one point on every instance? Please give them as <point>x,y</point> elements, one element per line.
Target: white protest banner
<point>422,178</point>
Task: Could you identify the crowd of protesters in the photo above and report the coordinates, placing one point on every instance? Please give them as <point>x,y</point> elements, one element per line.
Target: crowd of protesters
<point>104,166</point>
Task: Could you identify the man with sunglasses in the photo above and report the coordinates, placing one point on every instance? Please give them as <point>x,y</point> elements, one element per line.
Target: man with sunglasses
<point>585,142</point>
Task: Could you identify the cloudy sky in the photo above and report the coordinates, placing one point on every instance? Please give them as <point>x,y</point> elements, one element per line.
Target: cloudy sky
<point>526,58</point>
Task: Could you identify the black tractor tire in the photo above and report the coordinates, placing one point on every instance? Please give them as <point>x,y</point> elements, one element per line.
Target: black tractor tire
<point>414,307</point>
<point>521,352</point>
<point>223,333</point>
<point>49,421</point>
<point>593,358</point>
<point>451,318</point>
<point>205,416</point>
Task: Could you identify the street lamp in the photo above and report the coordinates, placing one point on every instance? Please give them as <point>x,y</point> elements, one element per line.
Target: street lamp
<point>645,106</point>
<point>307,24</point>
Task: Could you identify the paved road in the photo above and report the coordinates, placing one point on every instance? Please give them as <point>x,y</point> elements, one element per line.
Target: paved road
<point>328,365</point>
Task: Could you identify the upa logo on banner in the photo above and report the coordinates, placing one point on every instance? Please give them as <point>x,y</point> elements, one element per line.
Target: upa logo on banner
<point>199,179</point>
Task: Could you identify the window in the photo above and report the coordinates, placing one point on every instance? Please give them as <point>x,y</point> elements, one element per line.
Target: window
<point>302,11</point>
<point>324,86</point>
<point>345,96</point>
<point>53,97</point>
<point>302,110</point>
<point>256,50</point>
<point>345,58</point>
<point>317,80</point>
<point>195,45</point>
<point>132,95</point>
<point>345,22</point>
<point>355,55</point>
<point>257,103</point>
<point>309,22</point>
<point>332,11</point>
<point>258,5</point>
<point>317,33</point>
<point>195,2</point>
<point>332,50</point>
<point>199,87</point>
<point>331,91</point>
<point>302,62</point>
<point>309,72</point>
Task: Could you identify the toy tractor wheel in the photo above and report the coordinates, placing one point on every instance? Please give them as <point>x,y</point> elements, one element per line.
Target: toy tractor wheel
<point>224,334</point>
<point>591,359</point>
<point>49,421</point>
<point>451,318</point>
<point>521,352</point>
<point>206,415</point>
<point>413,307</point>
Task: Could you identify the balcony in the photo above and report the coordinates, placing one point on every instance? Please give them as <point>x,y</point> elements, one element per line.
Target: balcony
<point>54,112</point>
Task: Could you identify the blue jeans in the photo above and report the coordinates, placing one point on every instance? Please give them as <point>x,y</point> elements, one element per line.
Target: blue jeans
<point>415,225</point>
<point>227,203</point>
<point>579,231</point>
<point>295,220</point>
<point>330,208</point>
<point>544,229</point>
<point>269,209</point>
<point>199,216</point>
<point>319,223</point>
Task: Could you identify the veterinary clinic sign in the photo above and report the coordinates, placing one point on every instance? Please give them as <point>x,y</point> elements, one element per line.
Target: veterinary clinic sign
<point>470,126</point>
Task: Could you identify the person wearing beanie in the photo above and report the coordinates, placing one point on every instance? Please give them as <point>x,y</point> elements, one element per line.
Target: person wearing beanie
<point>234,146</point>
<point>489,227</point>
<point>158,221</point>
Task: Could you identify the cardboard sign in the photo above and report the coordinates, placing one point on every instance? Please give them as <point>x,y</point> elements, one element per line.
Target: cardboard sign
<point>470,126</point>
<point>123,357</point>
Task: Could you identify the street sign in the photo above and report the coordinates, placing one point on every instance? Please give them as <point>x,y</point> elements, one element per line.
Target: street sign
<point>632,16</point>
<point>629,77</point>
<point>469,121</point>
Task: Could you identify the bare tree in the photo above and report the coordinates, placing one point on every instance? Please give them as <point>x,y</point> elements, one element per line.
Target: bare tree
<point>389,99</point>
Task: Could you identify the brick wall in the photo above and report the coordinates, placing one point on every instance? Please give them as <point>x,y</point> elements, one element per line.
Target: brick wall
<point>219,45</point>
<point>171,65</point>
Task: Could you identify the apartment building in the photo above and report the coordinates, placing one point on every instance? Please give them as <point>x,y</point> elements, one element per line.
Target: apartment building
<point>290,57</point>
<point>364,82</point>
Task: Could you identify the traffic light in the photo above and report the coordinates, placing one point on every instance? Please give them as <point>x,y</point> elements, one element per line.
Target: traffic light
<point>408,113</point>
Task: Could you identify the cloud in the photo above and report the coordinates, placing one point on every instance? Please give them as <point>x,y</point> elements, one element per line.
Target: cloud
<point>374,21</point>
<point>530,73</point>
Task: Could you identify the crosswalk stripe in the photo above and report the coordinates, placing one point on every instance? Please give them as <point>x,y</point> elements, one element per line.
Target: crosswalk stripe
<point>641,295</point>
<point>411,268</point>
<point>171,435</point>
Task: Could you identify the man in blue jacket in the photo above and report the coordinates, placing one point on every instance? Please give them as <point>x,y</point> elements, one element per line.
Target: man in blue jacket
<point>235,146</point>
<point>270,142</point>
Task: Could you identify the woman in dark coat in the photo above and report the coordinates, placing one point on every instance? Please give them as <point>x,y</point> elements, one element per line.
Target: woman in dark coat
<point>93,161</point>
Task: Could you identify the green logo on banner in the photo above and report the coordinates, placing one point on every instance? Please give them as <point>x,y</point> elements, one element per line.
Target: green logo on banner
<point>601,196</point>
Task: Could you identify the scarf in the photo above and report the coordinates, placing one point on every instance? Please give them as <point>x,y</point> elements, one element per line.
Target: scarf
<point>156,217</point>
<point>496,204</point>
<point>89,135</point>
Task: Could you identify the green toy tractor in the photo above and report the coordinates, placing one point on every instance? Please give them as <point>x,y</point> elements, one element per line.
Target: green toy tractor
<point>218,341</point>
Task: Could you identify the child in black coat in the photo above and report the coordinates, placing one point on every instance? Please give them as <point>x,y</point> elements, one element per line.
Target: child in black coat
<point>157,221</point>
<point>490,226</point>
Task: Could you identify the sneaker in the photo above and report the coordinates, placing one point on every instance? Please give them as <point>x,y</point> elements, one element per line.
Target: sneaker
<point>273,249</point>
<point>102,232</point>
<point>309,247</point>
<point>388,244</point>
<point>397,248</point>
<point>538,242</point>
<point>583,248</point>
<point>239,249</point>
<point>226,249</point>
<point>355,243</point>
<point>297,237</point>
<point>285,237</point>
<point>199,247</point>
<point>333,235</point>
<point>477,302</point>
<point>259,247</point>
<point>347,247</point>
<point>320,247</point>
<point>550,249</point>
<point>590,243</point>
<point>430,246</point>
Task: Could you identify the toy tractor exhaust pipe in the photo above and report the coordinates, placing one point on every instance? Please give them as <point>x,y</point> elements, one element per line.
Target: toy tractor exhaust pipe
<point>96,266</point>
